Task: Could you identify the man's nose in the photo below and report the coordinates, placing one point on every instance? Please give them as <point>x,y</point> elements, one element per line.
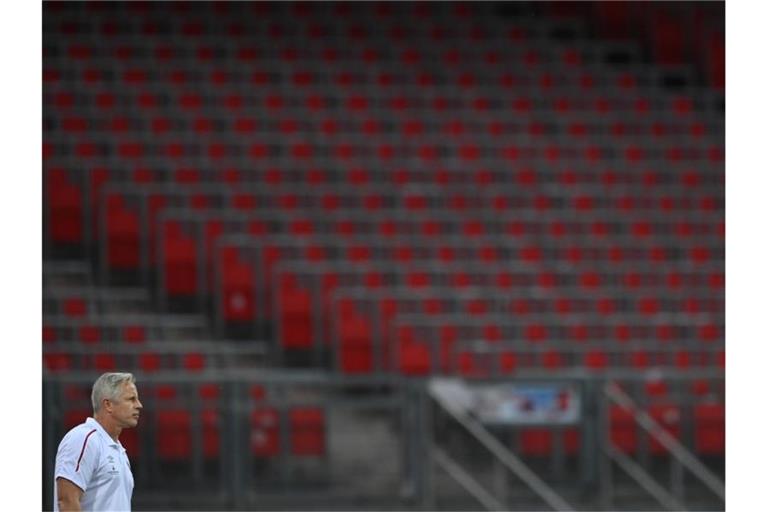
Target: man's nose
<point>138,405</point>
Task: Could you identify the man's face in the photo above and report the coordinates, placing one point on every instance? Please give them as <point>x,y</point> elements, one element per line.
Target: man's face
<point>127,407</point>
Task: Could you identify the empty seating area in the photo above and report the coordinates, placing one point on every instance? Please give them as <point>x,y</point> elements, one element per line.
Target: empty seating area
<point>396,190</point>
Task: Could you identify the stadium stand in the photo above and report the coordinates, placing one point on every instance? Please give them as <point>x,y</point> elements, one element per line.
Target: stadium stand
<point>290,218</point>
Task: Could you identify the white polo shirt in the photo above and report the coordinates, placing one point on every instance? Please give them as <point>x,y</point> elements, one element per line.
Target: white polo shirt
<point>96,463</point>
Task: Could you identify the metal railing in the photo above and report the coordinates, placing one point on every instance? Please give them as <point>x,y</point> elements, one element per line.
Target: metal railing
<point>680,454</point>
<point>499,451</point>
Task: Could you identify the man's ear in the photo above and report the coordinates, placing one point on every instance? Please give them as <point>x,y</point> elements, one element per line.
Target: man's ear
<point>106,404</point>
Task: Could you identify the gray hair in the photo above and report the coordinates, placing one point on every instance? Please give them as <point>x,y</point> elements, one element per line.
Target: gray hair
<point>108,386</point>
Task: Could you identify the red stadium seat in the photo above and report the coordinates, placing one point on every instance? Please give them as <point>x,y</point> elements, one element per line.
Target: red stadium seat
<point>65,211</point>
<point>57,362</point>
<point>74,417</point>
<point>238,288</point>
<point>624,430</point>
<point>210,421</point>
<point>596,360</point>
<point>75,307</point>
<point>129,438</point>
<point>700,387</point>
<point>667,39</point>
<point>193,362</point>
<point>536,442</point>
<point>149,362</point>
<point>709,433</point>
<point>89,334</point>
<point>134,334</point>
<point>99,177</point>
<point>173,441</point>
<point>656,388</point>
<point>356,345</point>
<point>296,325</point>
<point>307,428</point>
<point>414,355</point>
<point>467,365</point>
<point>104,362</point>
<point>180,263</point>
<point>552,360</point>
<point>668,417</point>
<point>49,334</point>
<point>123,235</point>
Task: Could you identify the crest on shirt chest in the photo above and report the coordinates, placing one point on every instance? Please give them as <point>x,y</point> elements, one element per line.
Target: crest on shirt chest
<point>112,469</point>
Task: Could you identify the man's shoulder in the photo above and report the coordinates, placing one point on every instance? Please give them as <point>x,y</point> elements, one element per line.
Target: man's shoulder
<point>79,434</point>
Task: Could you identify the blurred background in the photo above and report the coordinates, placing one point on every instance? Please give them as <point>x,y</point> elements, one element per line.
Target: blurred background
<point>391,255</point>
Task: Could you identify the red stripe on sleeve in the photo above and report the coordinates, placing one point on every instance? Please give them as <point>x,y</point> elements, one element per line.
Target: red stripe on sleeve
<point>83,450</point>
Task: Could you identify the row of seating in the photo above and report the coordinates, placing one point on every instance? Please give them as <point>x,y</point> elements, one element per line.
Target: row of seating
<point>295,9</point>
<point>475,180</point>
<point>82,301</point>
<point>396,151</point>
<point>385,89</point>
<point>95,328</point>
<point>339,77</point>
<point>431,216</point>
<point>147,356</point>
<point>484,355</point>
<point>268,93</point>
<point>195,22</point>
<point>411,360</point>
<point>342,79</point>
<point>319,31</point>
<point>275,103</point>
<point>488,357</point>
<point>210,50</point>
<point>504,35</point>
<point>452,128</point>
<point>145,362</point>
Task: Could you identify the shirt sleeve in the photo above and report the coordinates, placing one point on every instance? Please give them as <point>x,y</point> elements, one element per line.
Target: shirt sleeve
<point>76,459</point>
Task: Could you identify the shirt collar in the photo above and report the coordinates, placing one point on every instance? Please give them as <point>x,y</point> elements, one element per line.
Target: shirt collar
<point>91,422</point>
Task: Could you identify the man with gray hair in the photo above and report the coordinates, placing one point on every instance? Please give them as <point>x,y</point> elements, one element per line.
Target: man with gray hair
<point>92,469</point>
